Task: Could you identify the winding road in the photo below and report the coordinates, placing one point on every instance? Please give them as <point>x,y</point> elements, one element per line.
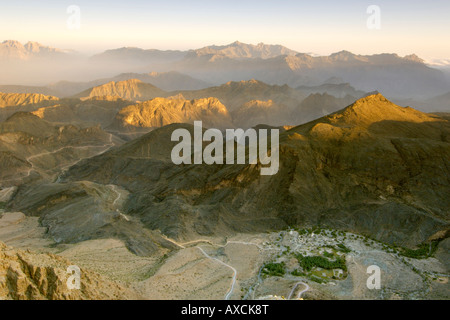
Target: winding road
<point>30,158</point>
<point>301,292</point>
<point>233,282</point>
<point>119,195</point>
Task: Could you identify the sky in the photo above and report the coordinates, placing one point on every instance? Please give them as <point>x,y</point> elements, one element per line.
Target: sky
<point>321,27</point>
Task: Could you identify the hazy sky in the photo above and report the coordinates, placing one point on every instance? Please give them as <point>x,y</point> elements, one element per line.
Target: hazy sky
<point>323,27</point>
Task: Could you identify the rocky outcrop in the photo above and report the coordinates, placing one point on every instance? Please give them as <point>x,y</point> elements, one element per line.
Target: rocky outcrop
<point>132,89</point>
<point>25,275</point>
<point>163,111</point>
<point>23,99</point>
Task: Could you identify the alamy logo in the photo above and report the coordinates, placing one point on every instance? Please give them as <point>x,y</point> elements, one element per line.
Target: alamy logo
<point>74,20</point>
<point>234,139</point>
<point>374,281</point>
<point>374,20</point>
<point>74,280</point>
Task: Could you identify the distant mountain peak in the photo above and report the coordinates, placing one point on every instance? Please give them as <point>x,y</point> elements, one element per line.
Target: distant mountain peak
<point>343,55</point>
<point>244,83</point>
<point>334,80</point>
<point>240,50</point>
<point>12,49</point>
<point>343,52</point>
<point>414,58</point>
<point>131,89</point>
<point>12,43</point>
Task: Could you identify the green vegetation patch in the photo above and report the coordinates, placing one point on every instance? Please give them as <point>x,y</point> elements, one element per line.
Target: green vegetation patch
<point>341,247</point>
<point>316,279</point>
<point>274,269</point>
<point>425,250</point>
<point>298,273</point>
<point>310,262</point>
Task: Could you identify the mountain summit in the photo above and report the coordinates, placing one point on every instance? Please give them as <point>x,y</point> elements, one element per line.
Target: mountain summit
<point>11,49</point>
<point>239,50</point>
<point>375,108</point>
<point>375,115</point>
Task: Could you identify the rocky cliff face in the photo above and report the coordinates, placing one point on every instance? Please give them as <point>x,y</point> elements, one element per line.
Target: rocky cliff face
<point>23,99</point>
<point>163,111</point>
<point>11,103</point>
<point>132,89</point>
<point>30,276</point>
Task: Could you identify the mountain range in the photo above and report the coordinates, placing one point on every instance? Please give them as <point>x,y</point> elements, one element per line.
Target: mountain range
<point>373,168</point>
<point>397,77</point>
<point>14,50</point>
<point>247,104</point>
<point>87,177</point>
<point>370,167</point>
